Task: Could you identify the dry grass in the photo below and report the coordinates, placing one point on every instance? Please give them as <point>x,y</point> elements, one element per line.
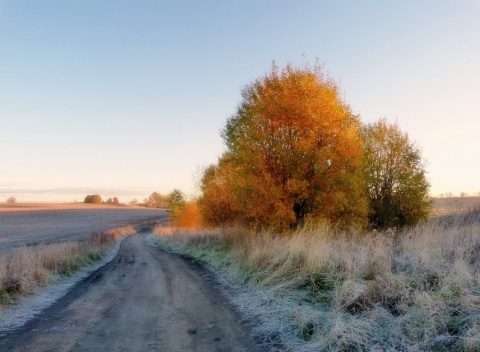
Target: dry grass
<point>320,290</point>
<point>27,268</point>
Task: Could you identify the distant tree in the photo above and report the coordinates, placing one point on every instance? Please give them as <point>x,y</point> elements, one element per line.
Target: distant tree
<point>463,194</point>
<point>157,200</point>
<point>397,186</point>
<point>134,201</point>
<point>110,200</point>
<point>115,200</point>
<point>296,147</point>
<point>93,198</point>
<point>11,200</point>
<point>176,201</point>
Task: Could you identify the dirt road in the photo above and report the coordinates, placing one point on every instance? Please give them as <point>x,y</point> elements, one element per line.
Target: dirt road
<point>144,300</point>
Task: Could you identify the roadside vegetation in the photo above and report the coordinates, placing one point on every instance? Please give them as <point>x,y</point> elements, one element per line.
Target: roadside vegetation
<point>320,223</point>
<point>321,289</point>
<point>25,269</point>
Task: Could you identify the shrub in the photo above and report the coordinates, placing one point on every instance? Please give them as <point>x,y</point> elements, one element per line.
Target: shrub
<point>189,217</point>
<point>93,198</point>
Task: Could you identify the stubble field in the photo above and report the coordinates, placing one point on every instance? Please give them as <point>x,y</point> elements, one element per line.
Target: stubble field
<point>454,205</point>
<point>28,224</point>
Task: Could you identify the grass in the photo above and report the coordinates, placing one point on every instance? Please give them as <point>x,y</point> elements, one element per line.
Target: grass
<point>318,289</point>
<point>27,268</point>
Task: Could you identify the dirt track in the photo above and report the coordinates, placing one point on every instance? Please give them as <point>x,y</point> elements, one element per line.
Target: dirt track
<point>144,300</point>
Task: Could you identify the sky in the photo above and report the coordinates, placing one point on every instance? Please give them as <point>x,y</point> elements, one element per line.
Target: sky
<point>124,98</point>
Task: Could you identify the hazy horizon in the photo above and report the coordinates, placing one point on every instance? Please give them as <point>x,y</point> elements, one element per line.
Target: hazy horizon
<point>67,195</point>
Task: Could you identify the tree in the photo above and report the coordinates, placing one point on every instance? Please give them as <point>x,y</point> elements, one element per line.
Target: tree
<point>11,200</point>
<point>93,198</point>
<point>297,150</point>
<point>110,200</point>
<point>156,200</point>
<point>115,200</point>
<point>218,203</point>
<point>176,200</point>
<point>134,201</point>
<point>397,186</point>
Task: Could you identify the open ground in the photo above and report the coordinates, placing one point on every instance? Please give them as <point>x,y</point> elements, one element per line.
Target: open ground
<point>30,223</point>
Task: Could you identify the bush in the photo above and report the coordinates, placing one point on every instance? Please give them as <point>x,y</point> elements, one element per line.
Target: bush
<point>189,217</point>
<point>94,198</point>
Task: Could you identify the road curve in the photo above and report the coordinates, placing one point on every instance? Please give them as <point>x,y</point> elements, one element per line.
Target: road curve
<point>144,300</point>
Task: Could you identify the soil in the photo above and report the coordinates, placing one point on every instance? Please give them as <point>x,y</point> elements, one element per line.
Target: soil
<point>145,299</point>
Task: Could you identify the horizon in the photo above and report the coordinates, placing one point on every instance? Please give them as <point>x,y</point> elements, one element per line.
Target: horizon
<point>125,99</point>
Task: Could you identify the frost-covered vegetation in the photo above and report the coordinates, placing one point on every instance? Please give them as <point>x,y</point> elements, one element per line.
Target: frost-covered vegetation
<point>318,289</point>
<point>25,269</point>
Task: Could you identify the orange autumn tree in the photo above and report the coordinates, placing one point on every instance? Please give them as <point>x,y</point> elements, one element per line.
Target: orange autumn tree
<point>219,202</point>
<point>296,151</point>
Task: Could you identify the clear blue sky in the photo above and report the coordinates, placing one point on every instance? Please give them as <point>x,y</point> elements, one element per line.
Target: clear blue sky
<point>127,97</point>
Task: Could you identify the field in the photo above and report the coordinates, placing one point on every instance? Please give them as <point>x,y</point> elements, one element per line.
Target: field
<point>27,224</point>
<point>40,243</point>
<point>453,205</point>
